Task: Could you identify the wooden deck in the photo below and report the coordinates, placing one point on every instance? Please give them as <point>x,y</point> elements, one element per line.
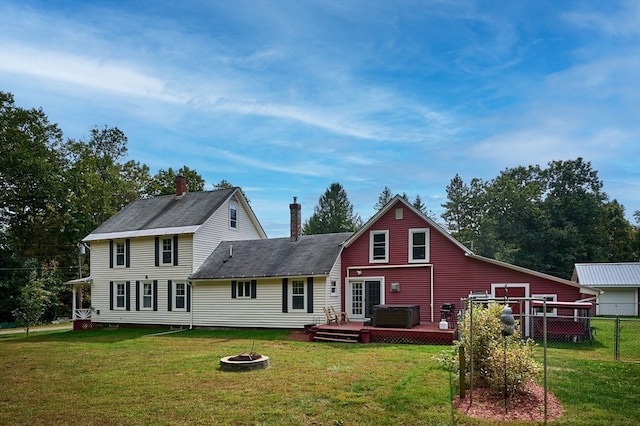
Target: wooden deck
<point>421,334</point>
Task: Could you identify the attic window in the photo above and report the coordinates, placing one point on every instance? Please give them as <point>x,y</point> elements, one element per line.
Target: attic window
<point>399,213</point>
<point>233,215</point>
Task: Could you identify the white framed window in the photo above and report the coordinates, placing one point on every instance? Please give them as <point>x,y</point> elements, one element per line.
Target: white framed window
<point>379,247</point>
<point>180,296</point>
<point>120,295</point>
<point>233,215</point>
<point>419,245</point>
<point>120,254</point>
<point>167,251</point>
<point>298,299</point>
<point>334,288</point>
<point>147,295</point>
<point>244,289</point>
<point>539,310</point>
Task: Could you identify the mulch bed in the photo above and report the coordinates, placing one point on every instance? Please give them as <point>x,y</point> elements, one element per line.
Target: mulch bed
<point>528,406</point>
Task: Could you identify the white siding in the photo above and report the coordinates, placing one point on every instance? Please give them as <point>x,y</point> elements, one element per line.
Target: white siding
<point>213,305</point>
<point>329,300</point>
<point>193,249</point>
<point>216,229</point>
<point>142,268</point>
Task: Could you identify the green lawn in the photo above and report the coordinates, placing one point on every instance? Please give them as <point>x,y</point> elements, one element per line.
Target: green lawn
<point>126,376</point>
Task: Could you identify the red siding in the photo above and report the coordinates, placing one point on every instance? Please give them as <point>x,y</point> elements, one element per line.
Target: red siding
<point>455,274</point>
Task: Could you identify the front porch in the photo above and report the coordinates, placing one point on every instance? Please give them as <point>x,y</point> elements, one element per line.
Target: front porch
<point>356,331</point>
<point>81,317</point>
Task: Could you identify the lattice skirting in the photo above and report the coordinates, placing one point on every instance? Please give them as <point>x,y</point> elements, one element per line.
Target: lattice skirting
<point>80,325</point>
<point>409,337</point>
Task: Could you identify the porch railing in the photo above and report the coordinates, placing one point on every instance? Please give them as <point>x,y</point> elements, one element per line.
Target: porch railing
<point>82,314</point>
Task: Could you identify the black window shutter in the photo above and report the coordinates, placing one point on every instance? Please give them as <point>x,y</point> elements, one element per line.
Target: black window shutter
<point>310,295</point>
<point>170,284</point>
<point>128,291</point>
<point>157,251</point>
<point>254,288</point>
<point>127,244</point>
<point>155,295</point>
<point>188,298</point>
<point>233,289</point>
<point>137,295</point>
<point>175,250</point>
<point>110,253</point>
<point>285,296</point>
<point>111,295</point>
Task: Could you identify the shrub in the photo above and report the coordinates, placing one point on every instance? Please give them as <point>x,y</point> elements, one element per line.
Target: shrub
<point>488,352</point>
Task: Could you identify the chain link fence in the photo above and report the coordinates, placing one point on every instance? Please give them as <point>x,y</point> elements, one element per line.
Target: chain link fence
<point>618,335</point>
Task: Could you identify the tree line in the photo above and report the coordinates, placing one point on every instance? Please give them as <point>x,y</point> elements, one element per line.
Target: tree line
<point>55,191</point>
<point>542,218</point>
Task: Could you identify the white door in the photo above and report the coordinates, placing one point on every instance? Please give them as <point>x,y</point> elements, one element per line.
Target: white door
<point>363,296</point>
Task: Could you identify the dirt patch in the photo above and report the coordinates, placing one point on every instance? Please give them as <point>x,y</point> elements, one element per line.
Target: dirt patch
<point>299,336</point>
<point>528,406</point>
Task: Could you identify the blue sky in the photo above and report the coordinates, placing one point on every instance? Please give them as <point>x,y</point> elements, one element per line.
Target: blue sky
<point>285,97</point>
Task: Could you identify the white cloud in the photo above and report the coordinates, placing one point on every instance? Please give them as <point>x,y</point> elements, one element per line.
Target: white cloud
<point>623,22</point>
<point>93,73</point>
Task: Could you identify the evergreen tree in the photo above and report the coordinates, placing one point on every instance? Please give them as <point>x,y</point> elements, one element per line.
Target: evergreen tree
<point>383,199</point>
<point>334,213</point>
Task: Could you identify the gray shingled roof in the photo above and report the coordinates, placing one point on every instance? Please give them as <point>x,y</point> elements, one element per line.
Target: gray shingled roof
<point>276,257</point>
<point>168,211</point>
<point>608,274</point>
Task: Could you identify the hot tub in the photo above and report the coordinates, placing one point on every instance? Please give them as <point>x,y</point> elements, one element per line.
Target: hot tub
<point>396,316</point>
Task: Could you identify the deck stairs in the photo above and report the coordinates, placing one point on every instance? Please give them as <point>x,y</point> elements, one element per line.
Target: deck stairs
<point>344,336</point>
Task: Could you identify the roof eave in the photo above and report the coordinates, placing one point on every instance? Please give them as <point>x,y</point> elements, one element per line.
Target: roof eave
<point>142,233</point>
<point>583,288</point>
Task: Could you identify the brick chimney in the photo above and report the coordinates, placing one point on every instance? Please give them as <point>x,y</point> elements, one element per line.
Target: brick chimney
<point>181,185</point>
<point>296,226</point>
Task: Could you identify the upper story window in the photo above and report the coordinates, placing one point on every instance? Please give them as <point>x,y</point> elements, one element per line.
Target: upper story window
<point>120,253</point>
<point>167,251</point>
<point>233,215</point>
<point>379,250</point>
<point>297,295</point>
<point>419,245</point>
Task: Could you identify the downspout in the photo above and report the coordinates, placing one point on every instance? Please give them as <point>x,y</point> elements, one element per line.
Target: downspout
<point>191,304</point>
<point>432,317</point>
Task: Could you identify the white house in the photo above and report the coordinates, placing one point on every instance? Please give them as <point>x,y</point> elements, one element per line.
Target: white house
<point>619,281</point>
<point>142,257</point>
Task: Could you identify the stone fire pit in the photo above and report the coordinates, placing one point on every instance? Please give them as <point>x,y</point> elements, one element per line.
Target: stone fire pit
<point>244,362</point>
